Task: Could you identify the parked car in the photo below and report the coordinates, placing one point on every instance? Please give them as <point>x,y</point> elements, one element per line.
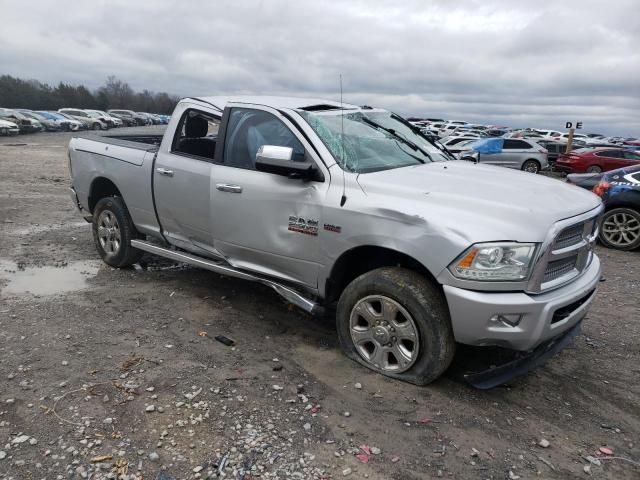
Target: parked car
<point>620,193</point>
<point>48,124</point>
<point>8,128</point>
<point>25,124</point>
<point>127,116</point>
<point>148,118</point>
<point>457,144</point>
<point>596,160</point>
<point>496,132</point>
<point>111,122</point>
<point>83,117</point>
<point>518,153</point>
<point>356,209</point>
<point>67,123</point>
<point>554,150</point>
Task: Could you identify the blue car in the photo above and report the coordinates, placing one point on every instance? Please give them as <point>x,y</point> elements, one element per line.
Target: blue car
<point>620,193</point>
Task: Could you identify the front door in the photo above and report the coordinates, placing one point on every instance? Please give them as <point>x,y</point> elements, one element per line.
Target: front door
<point>182,182</point>
<point>265,222</point>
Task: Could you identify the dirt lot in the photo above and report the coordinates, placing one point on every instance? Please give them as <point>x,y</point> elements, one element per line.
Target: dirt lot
<point>105,371</point>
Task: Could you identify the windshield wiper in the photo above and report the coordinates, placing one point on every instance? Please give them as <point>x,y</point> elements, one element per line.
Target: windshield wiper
<point>415,129</point>
<point>399,136</point>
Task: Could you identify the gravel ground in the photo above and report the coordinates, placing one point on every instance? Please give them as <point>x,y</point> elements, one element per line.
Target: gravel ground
<point>110,373</point>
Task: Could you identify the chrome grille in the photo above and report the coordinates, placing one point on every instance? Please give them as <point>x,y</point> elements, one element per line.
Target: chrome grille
<point>569,236</point>
<point>565,255</point>
<point>558,268</point>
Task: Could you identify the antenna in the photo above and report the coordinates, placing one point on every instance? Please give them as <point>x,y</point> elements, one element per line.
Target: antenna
<point>344,188</point>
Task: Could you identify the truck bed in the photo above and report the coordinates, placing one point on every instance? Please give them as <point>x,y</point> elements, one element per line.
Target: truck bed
<point>122,160</point>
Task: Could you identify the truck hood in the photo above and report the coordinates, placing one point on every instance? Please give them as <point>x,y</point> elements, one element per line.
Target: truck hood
<point>477,202</point>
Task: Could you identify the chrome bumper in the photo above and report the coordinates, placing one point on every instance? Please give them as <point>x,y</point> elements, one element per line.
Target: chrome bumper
<point>475,316</point>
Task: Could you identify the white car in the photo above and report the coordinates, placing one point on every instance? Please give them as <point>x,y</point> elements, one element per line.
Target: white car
<point>8,128</point>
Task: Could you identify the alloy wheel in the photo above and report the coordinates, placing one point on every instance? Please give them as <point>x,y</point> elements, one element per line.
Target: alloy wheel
<point>109,233</point>
<point>384,334</point>
<point>621,229</point>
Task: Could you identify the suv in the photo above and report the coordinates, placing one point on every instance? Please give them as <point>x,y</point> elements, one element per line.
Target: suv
<point>518,153</point>
<point>83,117</point>
<point>25,124</point>
<point>129,117</point>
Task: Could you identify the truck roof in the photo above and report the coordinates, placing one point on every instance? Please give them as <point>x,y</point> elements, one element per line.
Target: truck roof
<point>275,102</point>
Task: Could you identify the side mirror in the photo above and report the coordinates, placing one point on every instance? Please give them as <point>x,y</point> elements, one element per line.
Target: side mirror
<point>279,160</point>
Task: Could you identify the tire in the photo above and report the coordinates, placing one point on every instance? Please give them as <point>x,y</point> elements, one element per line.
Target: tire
<point>594,169</point>
<point>421,313</point>
<point>113,231</point>
<point>531,166</point>
<point>95,126</point>
<point>620,229</point>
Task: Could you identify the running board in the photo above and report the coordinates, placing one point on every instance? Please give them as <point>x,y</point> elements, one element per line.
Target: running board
<point>286,292</point>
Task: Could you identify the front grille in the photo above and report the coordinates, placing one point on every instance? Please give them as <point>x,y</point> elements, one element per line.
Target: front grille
<point>563,312</point>
<point>569,236</point>
<point>558,268</point>
<point>565,256</point>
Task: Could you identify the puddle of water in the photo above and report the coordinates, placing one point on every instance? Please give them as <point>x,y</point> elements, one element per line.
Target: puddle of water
<point>46,280</point>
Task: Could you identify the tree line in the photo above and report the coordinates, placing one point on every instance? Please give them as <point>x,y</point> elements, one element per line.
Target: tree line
<point>115,93</point>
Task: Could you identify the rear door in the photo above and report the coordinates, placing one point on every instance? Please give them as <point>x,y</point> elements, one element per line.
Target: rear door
<point>514,152</point>
<point>500,159</point>
<point>182,180</point>
<point>265,222</point>
<point>611,159</point>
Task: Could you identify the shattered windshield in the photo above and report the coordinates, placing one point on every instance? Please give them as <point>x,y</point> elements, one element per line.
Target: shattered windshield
<point>370,141</point>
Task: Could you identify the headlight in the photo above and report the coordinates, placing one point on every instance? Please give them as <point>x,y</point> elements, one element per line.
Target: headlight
<point>495,262</point>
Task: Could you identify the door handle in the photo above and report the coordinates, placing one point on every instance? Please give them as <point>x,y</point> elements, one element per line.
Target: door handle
<point>225,187</point>
<point>165,172</point>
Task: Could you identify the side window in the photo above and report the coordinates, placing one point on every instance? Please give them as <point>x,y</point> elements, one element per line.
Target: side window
<point>608,153</point>
<point>515,145</point>
<point>631,156</point>
<point>196,135</point>
<point>248,130</point>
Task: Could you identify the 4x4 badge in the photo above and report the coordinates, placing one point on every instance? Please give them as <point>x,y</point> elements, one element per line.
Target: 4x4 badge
<point>301,225</point>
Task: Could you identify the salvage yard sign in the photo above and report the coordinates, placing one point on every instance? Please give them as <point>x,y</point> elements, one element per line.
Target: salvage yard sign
<point>572,130</point>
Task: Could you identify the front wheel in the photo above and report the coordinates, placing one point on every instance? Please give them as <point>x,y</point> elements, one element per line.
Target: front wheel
<point>620,229</point>
<point>531,166</point>
<point>113,231</point>
<point>396,322</point>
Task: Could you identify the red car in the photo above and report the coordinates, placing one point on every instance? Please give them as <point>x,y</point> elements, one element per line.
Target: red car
<point>596,160</point>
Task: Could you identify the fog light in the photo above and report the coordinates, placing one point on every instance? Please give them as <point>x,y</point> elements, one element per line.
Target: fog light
<point>508,319</point>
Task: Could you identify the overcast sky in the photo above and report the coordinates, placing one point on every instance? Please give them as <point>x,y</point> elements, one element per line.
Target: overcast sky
<point>519,63</point>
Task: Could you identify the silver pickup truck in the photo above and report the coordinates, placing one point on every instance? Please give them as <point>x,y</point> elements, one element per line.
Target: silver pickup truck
<point>352,209</point>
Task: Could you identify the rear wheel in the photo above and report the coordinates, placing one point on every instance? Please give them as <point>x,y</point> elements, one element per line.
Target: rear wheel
<point>531,166</point>
<point>594,169</point>
<point>620,229</point>
<point>395,322</point>
<point>113,231</point>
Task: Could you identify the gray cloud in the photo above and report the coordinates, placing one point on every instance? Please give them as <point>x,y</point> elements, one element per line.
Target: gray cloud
<point>535,63</point>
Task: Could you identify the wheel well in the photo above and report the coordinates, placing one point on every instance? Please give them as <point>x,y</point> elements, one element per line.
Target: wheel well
<point>100,188</point>
<point>623,204</point>
<point>359,260</point>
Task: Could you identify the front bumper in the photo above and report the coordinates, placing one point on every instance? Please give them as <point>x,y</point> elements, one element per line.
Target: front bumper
<point>542,317</point>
